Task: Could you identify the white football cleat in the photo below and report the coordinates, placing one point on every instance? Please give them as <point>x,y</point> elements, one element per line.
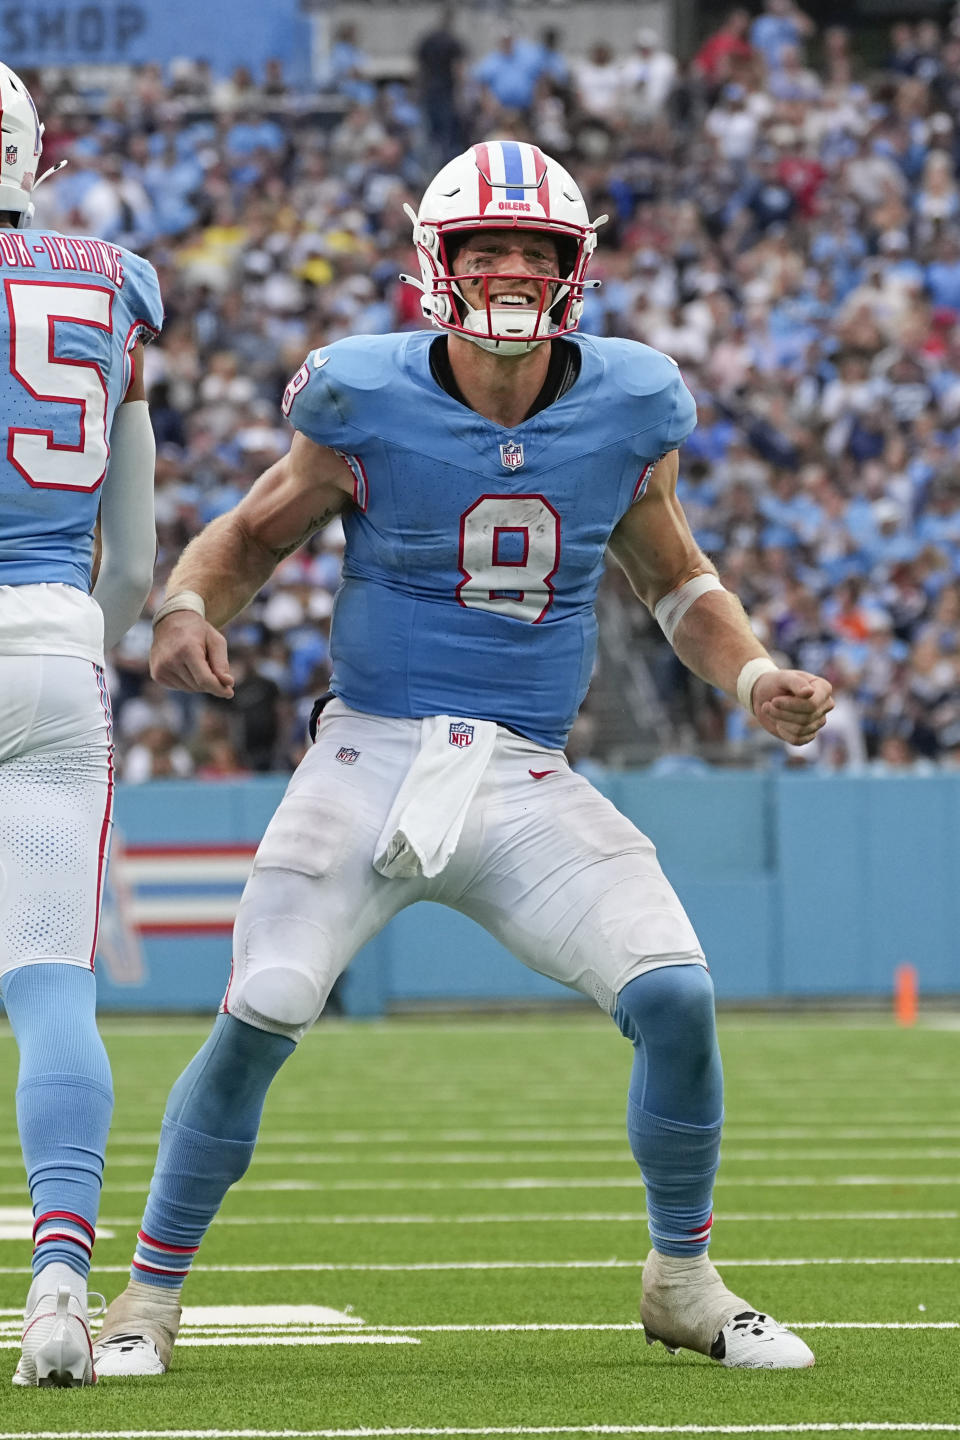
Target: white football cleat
<point>685,1305</point>
<point>138,1332</point>
<point>56,1342</point>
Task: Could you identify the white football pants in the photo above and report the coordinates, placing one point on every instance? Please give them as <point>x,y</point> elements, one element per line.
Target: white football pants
<point>547,865</point>
<point>56,808</point>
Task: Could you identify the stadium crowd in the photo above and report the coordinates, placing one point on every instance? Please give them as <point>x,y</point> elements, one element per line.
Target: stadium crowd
<point>785,222</point>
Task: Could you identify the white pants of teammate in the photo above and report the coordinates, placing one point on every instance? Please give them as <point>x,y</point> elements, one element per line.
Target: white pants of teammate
<point>548,866</point>
<point>56,808</point>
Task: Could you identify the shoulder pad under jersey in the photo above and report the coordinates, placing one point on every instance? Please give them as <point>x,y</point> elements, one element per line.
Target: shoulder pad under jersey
<point>334,395</point>
<point>660,410</point>
<point>140,294</point>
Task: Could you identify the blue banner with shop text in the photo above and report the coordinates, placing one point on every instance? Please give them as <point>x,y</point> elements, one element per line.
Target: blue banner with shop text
<point>103,32</point>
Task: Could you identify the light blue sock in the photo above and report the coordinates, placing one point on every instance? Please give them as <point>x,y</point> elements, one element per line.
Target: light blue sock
<point>206,1143</point>
<point>675,1102</point>
<point>64,1105</point>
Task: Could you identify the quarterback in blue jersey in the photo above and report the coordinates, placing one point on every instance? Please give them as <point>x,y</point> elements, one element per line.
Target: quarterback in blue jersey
<point>77,466</point>
<point>481,474</point>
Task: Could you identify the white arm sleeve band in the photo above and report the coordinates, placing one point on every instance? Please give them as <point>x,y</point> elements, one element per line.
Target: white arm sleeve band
<point>128,528</point>
<point>669,611</point>
<point>749,676</point>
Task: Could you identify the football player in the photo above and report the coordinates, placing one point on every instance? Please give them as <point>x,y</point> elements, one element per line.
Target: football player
<point>79,453</point>
<point>481,474</point>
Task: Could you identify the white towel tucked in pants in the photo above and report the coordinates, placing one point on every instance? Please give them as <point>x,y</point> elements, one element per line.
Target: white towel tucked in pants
<point>425,823</point>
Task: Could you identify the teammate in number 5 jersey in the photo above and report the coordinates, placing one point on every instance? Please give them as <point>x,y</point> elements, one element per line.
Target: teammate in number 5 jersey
<point>78,447</point>
<point>481,473</point>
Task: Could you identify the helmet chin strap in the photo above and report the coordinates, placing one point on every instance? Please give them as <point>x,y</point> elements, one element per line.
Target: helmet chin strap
<point>499,319</point>
<point>502,347</point>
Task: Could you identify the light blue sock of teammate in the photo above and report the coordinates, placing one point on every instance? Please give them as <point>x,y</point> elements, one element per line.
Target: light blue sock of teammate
<point>675,1102</point>
<point>64,1105</point>
<point>206,1143</point>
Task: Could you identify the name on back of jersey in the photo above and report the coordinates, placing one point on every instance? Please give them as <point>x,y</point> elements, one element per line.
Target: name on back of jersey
<point>62,253</point>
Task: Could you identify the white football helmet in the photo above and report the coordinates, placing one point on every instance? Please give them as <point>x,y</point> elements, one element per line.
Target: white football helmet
<point>503,185</point>
<point>20,146</point>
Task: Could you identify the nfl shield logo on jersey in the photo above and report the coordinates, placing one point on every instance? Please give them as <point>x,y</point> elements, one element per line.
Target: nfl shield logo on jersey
<point>346,756</point>
<point>461,735</point>
<point>10,154</point>
<point>511,455</point>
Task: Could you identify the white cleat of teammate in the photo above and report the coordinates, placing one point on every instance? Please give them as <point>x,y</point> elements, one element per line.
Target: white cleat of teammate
<point>57,1349</point>
<point>685,1305</point>
<point>138,1332</point>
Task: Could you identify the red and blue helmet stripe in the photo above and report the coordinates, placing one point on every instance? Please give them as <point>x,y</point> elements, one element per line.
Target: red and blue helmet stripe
<point>515,171</point>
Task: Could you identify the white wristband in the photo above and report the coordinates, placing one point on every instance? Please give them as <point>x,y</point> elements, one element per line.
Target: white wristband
<point>183,600</point>
<point>749,676</point>
<point>670,610</point>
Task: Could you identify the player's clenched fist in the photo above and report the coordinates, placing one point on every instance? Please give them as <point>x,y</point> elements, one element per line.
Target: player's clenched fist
<point>190,654</point>
<point>792,704</point>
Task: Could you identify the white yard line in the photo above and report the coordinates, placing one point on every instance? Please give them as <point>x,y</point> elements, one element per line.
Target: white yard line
<point>826,1427</point>
<point>230,1340</point>
<point>531,1182</point>
<point>573,1135</point>
<point>324,1267</point>
<point>328,1159</point>
<point>819,1182</point>
<point>568,1218</point>
<point>12,1319</point>
<point>637,1327</point>
<point>872,1324</point>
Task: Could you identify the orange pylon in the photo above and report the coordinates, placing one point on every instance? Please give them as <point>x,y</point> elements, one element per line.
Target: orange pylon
<point>905,994</point>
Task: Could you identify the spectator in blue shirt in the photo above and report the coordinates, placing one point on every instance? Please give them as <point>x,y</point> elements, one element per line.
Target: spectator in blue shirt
<point>510,72</point>
<point>782,23</point>
<point>347,65</point>
<point>943,274</point>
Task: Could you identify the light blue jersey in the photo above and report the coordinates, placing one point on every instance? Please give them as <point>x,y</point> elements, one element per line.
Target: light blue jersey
<point>474,552</point>
<point>71,310</point>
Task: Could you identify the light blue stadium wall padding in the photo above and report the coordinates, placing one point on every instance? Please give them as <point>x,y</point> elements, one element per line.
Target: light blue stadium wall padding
<point>870,879</point>
<point>798,885</point>
<point>715,840</point>
<point>702,825</point>
<point>179,811</point>
<point>181,973</point>
<point>435,954</point>
<point>736,922</point>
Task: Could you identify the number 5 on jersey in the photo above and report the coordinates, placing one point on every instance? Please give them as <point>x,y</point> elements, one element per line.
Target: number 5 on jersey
<point>58,381</point>
<point>509,554</point>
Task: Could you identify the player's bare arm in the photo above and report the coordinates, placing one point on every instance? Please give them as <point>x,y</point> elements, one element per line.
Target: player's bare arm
<point>235,556</point>
<point>713,638</point>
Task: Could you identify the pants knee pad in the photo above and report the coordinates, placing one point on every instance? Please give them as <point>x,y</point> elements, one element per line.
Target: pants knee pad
<point>282,974</point>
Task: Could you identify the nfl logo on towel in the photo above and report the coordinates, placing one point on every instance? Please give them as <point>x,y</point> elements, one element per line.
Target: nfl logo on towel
<point>461,735</point>
<point>511,455</point>
<point>346,756</point>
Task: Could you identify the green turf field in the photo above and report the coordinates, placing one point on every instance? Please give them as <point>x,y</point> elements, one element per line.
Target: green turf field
<point>454,1203</point>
